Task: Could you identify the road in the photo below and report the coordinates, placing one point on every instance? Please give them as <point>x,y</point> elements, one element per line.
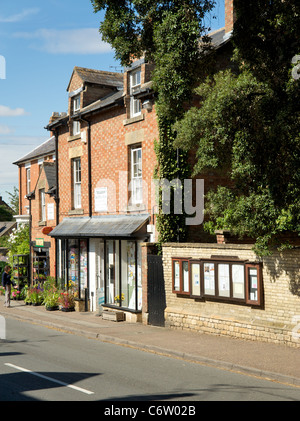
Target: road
<point>41,364</point>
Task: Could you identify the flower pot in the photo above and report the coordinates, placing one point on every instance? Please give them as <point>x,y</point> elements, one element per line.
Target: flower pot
<point>66,310</point>
<point>53,308</point>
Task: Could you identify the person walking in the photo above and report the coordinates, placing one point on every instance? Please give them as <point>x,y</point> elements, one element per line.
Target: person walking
<point>7,283</point>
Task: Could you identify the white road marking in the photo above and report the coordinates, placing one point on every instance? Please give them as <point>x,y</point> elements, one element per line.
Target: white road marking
<point>79,389</point>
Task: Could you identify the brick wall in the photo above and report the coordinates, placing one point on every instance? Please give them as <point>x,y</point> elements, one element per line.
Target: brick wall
<point>229,15</point>
<point>38,225</point>
<point>278,320</point>
<point>112,136</point>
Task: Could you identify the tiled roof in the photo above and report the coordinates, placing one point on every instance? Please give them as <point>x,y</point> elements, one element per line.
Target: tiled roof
<point>6,227</point>
<point>46,148</point>
<point>99,77</point>
<point>102,103</point>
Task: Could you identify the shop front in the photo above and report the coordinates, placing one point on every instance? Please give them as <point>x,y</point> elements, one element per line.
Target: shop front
<point>100,259</point>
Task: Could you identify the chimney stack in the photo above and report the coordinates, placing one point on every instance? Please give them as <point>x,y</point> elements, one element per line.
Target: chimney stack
<point>229,17</point>
<point>54,117</point>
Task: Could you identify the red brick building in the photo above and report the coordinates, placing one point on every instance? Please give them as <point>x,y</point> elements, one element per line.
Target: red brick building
<point>102,204</point>
<point>106,160</point>
<point>37,183</point>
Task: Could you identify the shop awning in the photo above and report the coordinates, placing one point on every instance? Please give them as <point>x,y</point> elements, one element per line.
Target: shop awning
<point>102,226</point>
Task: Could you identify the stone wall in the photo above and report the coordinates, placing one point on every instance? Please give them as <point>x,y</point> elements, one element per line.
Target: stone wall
<point>278,320</point>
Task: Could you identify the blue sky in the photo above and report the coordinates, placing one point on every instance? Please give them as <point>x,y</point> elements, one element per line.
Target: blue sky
<point>40,43</point>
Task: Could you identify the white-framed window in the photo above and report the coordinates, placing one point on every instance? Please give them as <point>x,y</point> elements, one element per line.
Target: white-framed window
<point>76,103</point>
<point>42,205</point>
<point>135,83</point>
<point>28,181</point>
<point>76,107</point>
<point>76,168</point>
<point>76,128</point>
<point>136,176</point>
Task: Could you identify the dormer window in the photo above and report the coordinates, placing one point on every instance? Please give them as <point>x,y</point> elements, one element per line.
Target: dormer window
<point>76,108</point>
<point>135,83</point>
<point>76,104</point>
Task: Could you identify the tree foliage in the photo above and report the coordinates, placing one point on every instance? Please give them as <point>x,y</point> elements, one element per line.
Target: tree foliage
<point>166,33</point>
<point>5,214</point>
<point>248,126</point>
<point>17,242</point>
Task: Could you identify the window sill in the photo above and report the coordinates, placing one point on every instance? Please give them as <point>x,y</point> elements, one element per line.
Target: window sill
<point>134,120</point>
<point>75,137</point>
<point>136,208</point>
<point>117,307</point>
<point>76,212</point>
<point>42,223</point>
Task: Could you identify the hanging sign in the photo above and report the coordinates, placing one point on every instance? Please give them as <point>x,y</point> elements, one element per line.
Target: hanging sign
<point>47,230</point>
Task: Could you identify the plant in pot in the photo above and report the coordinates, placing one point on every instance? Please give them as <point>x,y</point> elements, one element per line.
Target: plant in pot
<point>51,298</point>
<point>15,293</point>
<point>66,301</point>
<point>36,295</point>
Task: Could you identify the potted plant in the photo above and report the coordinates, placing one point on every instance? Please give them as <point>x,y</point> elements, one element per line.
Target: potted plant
<point>36,295</point>
<point>2,290</point>
<point>117,298</point>
<point>66,301</point>
<point>51,298</point>
<point>15,293</point>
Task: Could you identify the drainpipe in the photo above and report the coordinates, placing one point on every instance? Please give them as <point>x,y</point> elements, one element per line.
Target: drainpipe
<point>56,197</point>
<point>89,165</point>
<point>30,197</point>
<point>56,176</point>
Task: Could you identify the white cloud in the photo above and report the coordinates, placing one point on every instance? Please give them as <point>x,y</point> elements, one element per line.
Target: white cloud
<point>9,112</point>
<point>18,17</point>
<point>74,41</point>
<point>5,130</point>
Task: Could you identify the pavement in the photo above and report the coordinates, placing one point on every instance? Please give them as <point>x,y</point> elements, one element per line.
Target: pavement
<point>270,361</point>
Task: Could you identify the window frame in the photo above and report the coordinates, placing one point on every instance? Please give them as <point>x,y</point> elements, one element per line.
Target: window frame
<point>136,181</point>
<point>76,183</point>
<point>42,196</point>
<point>28,180</point>
<point>76,103</point>
<point>197,288</point>
<point>135,104</point>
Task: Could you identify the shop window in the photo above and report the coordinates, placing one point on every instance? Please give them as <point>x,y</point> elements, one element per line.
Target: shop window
<point>77,266</point>
<point>123,274</point>
<point>234,281</point>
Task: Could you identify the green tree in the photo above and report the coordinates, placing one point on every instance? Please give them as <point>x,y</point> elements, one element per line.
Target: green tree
<point>166,33</point>
<point>248,127</point>
<point>5,214</point>
<point>14,200</point>
<point>17,242</point>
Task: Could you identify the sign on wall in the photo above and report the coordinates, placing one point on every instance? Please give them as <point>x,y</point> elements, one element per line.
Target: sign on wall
<point>101,199</point>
